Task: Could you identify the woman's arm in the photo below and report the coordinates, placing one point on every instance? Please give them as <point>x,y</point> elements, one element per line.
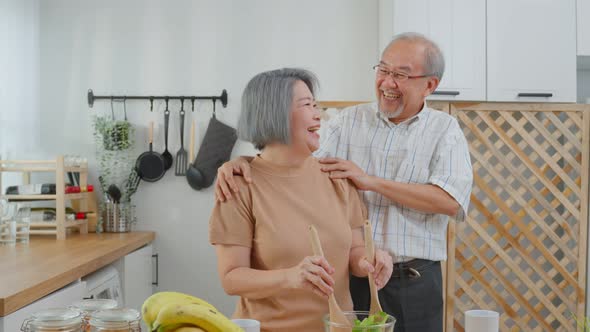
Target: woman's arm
<point>238,278</point>
<point>359,266</point>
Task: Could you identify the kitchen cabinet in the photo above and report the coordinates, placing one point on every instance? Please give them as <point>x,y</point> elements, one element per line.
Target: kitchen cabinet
<point>501,50</point>
<point>583,12</point>
<point>531,49</point>
<point>58,299</point>
<point>137,276</point>
<point>458,27</point>
<point>49,271</point>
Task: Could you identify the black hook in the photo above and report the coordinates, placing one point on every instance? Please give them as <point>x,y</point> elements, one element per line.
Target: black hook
<point>112,109</point>
<point>214,102</point>
<point>166,103</point>
<point>125,107</point>
<point>151,104</point>
<point>193,104</point>
<point>182,104</point>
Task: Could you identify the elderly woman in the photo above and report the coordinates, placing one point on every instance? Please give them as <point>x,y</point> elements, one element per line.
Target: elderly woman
<point>261,237</point>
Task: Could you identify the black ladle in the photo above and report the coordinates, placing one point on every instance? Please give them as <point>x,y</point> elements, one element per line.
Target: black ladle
<point>194,176</point>
<point>168,159</point>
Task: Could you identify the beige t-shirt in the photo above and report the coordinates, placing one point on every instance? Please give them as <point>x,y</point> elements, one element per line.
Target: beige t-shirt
<point>272,216</point>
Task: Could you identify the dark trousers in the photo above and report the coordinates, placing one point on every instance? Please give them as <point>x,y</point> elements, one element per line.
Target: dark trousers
<point>415,302</point>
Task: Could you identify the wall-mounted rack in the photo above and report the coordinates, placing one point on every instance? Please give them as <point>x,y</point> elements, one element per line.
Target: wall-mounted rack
<point>222,98</point>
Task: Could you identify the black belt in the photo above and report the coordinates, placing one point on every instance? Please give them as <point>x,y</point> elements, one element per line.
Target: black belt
<point>411,269</point>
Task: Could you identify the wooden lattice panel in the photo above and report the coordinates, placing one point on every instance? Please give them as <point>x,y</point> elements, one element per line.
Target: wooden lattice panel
<point>522,250</point>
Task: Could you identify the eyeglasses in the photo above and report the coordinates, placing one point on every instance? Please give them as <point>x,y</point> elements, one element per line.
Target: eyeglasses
<point>397,76</point>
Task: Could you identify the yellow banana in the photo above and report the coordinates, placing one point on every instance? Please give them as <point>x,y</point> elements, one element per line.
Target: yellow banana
<point>180,328</point>
<point>189,329</point>
<point>202,316</point>
<point>152,305</point>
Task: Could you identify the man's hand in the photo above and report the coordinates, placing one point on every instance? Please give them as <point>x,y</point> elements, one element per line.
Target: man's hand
<point>344,169</point>
<point>225,184</point>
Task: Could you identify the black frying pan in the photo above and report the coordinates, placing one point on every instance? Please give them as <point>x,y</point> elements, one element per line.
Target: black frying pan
<point>150,165</point>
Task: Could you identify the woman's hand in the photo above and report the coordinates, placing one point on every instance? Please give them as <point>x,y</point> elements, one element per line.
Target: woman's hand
<point>382,269</point>
<point>312,273</point>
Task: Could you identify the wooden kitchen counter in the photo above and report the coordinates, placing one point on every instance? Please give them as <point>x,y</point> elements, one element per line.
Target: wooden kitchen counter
<point>29,272</point>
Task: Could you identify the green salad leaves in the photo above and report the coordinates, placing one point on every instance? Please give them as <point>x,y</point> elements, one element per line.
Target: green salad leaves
<point>372,320</point>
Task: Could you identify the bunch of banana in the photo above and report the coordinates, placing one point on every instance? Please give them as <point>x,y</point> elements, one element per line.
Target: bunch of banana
<point>173,311</point>
<point>206,318</point>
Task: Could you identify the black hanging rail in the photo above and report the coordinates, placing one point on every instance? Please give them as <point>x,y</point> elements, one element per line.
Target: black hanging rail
<point>222,97</point>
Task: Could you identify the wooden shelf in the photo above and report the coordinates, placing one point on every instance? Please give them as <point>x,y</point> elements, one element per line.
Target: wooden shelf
<point>43,232</point>
<point>76,169</point>
<point>72,223</point>
<point>43,169</point>
<point>26,167</point>
<point>53,224</point>
<point>29,197</point>
<point>43,197</point>
<point>43,224</point>
<point>77,195</point>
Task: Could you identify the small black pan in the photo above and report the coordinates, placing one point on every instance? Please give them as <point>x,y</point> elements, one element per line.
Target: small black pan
<point>150,165</point>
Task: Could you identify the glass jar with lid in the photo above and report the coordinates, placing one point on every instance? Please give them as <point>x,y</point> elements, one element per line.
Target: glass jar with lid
<point>54,320</point>
<point>115,320</point>
<point>89,306</point>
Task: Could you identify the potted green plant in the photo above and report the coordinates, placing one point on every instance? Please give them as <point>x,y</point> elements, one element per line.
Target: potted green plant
<point>116,134</point>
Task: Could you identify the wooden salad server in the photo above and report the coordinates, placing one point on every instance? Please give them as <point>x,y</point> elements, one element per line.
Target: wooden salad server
<point>370,252</point>
<point>336,314</point>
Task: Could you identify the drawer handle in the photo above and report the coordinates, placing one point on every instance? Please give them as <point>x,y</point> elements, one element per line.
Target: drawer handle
<point>446,93</point>
<point>157,276</point>
<point>533,94</point>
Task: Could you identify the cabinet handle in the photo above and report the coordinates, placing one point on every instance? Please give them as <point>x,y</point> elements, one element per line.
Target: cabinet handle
<point>157,268</point>
<point>446,93</point>
<point>537,94</point>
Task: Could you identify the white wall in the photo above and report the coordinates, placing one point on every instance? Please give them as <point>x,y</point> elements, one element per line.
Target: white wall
<point>189,47</point>
<point>19,76</point>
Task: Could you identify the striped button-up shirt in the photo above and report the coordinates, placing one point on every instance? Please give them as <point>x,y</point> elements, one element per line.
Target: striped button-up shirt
<point>429,148</point>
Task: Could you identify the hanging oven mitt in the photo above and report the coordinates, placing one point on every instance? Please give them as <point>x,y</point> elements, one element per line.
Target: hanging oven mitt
<point>216,149</point>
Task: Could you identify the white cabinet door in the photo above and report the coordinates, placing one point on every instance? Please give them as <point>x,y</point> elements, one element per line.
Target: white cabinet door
<point>136,276</point>
<point>583,12</point>
<point>531,50</point>
<point>59,299</point>
<point>458,27</point>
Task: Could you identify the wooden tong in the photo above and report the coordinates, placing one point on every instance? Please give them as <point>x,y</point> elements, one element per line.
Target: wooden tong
<point>370,252</point>
<point>336,314</point>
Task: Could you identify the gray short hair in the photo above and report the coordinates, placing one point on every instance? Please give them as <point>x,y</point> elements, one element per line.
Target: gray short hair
<point>266,105</point>
<point>434,61</point>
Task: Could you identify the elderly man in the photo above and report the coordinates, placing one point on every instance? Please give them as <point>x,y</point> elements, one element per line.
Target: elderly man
<point>412,165</point>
